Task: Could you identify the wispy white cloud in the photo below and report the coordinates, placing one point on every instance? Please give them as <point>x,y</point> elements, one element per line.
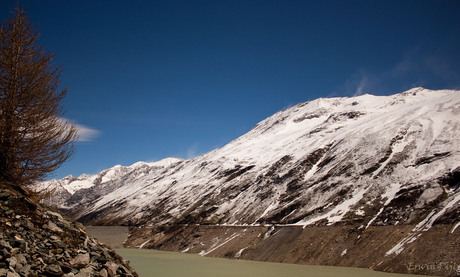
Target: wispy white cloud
<point>359,83</point>
<point>443,68</point>
<point>192,152</point>
<point>416,68</point>
<point>361,86</point>
<point>86,134</point>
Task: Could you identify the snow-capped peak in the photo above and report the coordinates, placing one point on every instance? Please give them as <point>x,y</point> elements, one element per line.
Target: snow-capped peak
<point>164,162</point>
<point>70,184</point>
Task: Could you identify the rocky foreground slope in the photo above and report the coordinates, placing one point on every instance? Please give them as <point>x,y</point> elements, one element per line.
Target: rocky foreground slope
<point>364,163</point>
<point>35,241</point>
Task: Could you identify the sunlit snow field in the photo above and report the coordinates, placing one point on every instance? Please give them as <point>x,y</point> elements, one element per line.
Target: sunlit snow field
<point>156,263</point>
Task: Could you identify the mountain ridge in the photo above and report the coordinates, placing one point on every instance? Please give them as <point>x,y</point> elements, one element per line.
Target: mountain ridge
<point>264,149</point>
<point>361,162</point>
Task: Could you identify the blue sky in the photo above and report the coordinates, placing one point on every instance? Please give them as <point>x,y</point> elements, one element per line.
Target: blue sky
<point>154,79</point>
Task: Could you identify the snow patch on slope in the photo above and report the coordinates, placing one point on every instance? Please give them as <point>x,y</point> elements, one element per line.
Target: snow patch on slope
<point>389,196</point>
<point>423,226</point>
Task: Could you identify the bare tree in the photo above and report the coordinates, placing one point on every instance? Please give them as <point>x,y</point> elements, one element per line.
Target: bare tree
<point>34,139</point>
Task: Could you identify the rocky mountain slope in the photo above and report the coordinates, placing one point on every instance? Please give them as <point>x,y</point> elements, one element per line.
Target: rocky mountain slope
<point>363,161</point>
<point>36,241</point>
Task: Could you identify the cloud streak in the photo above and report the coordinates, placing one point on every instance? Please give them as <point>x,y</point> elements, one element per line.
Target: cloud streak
<point>192,152</point>
<point>416,68</point>
<point>359,83</point>
<point>86,134</point>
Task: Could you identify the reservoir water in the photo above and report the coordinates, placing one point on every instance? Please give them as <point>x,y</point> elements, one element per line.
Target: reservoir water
<point>149,263</point>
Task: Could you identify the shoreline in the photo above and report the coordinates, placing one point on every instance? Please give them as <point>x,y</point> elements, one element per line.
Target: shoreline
<point>344,246</point>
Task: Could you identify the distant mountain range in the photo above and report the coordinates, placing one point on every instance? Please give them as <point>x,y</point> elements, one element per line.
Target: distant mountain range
<point>364,161</point>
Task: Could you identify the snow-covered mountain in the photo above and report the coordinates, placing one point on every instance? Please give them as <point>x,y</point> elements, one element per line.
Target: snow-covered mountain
<point>367,160</point>
<point>105,181</point>
<point>368,181</point>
